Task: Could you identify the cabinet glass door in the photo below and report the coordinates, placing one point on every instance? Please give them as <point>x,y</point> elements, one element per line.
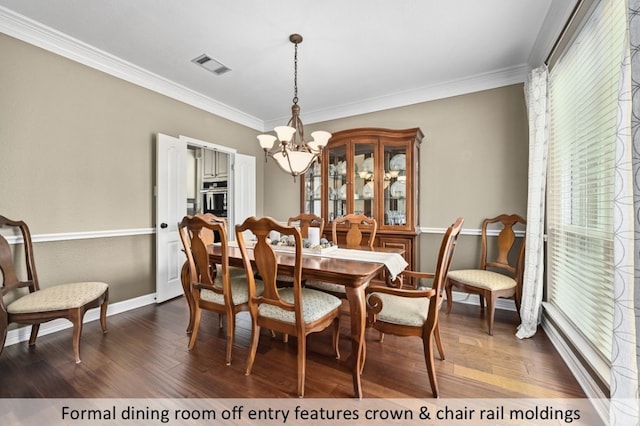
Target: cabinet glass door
<point>337,182</point>
<point>364,188</point>
<point>313,190</point>
<point>395,185</point>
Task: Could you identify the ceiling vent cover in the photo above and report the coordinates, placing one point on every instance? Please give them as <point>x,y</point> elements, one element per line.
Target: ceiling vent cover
<point>211,64</point>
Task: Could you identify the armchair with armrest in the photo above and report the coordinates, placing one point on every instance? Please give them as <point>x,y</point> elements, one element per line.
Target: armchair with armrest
<point>414,312</point>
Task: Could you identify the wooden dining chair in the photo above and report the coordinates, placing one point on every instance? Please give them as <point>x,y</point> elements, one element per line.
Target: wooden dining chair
<point>414,312</point>
<point>208,237</point>
<point>357,226</point>
<point>214,287</point>
<point>304,221</point>
<point>40,305</point>
<point>295,311</point>
<point>499,276</point>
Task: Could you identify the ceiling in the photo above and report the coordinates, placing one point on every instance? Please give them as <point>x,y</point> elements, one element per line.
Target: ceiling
<point>357,56</point>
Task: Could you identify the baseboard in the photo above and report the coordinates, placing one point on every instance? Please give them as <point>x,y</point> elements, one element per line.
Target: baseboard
<point>22,334</point>
<point>591,387</point>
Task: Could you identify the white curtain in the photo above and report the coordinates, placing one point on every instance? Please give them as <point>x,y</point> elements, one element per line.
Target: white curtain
<point>532,288</point>
<point>624,354</point>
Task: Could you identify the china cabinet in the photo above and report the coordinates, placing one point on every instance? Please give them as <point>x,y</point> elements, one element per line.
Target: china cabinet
<point>370,171</point>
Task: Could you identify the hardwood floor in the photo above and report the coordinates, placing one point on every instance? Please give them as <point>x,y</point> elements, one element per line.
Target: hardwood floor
<point>145,355</point>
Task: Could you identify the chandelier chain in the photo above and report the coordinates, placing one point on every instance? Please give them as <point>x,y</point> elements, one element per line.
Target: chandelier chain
<point>295,74</point>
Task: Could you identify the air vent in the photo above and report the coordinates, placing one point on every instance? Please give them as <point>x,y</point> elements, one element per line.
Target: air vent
<point>211,64</point>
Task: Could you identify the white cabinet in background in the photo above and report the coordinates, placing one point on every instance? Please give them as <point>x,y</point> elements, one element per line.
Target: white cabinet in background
<point>215,164</point>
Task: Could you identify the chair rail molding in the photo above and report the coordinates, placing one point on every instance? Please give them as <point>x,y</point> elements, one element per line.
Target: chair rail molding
<point>466,231</point>
<point>69,236</point>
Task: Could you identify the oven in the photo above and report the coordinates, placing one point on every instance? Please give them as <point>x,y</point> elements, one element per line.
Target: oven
<point>214,198</point>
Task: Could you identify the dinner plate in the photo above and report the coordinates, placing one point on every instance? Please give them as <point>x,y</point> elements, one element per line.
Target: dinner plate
<point>342,168</point>
<point>398,162</point>
<point>399,189</point>
<point>343,192</point>
<point>367,190</point>
<point>367,165</point>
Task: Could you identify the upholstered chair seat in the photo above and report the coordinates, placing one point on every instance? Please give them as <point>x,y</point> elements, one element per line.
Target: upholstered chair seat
<point>58,297</point>
<point>402,310</point>
<point>488,280</point>
<point>316,305</point>
<point>239,289</point>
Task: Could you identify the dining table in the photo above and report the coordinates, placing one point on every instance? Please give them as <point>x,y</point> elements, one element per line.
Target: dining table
<point>347,269</point>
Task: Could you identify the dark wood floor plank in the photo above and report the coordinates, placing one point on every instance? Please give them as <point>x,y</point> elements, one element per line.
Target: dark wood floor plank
<point>145,355</point>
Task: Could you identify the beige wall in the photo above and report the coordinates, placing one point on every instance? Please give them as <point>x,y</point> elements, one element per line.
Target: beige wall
<point>473,163</point>
<point>77,152</point>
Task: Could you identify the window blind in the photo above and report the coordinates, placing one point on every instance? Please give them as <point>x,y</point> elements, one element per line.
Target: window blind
<point>583,93</point>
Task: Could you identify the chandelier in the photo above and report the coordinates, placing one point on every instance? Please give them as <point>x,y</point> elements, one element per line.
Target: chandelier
<point>293,154</point>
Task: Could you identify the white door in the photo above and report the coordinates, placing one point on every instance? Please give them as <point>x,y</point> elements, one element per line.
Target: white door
<point>171,206</point>
<point>244,188</point>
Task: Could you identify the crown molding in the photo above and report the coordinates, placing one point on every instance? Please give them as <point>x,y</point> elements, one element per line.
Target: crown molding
<point>475,83</point>
<point>37,34</point>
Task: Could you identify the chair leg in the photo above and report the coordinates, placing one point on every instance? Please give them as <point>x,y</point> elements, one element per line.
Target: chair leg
<point>186,287</point>
<point>231,327</point>
<point>302,363</point>
<point>336,337</point>
<point>255,334</point>
<point>75,316</point>
<point>491,310</point>
<point>427,343</point>
<point>103,313</point>
<point>381,337</point>
<point>363,357</point>
<point>447,289</point>
<point>34,333</point>
<point>439,341</point>
<point>197,316</point>
<point>481,301</point>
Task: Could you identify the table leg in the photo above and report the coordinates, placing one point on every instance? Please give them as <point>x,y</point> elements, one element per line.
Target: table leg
<point>357,310</point>
<point>186,287</point>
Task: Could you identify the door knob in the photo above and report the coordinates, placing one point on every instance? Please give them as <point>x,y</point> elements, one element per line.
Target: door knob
<point>163,225</point>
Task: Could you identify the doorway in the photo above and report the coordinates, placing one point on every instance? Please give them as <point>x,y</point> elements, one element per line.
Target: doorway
<point>180,181</point>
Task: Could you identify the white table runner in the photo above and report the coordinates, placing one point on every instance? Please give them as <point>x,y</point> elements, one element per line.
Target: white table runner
<point>394,262</point>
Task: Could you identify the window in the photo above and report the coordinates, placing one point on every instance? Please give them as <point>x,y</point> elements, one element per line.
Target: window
<point>583,93</point>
